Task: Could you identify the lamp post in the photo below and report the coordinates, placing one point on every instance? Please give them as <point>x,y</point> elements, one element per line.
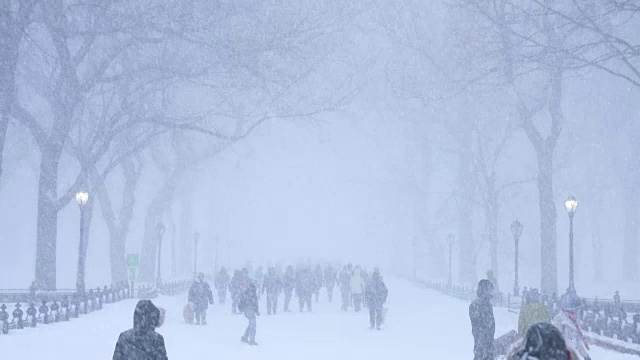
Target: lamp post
<point>160,228</point>
<point>196,237</point>
<point>516,231</point>
<point>450,242</point>
<point>571,205</point>
<point>82,198</point>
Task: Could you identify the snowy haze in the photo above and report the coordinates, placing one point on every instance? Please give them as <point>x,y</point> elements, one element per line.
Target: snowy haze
<point>378,127</point>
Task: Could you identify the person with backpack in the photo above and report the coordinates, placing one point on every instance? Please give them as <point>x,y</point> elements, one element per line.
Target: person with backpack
<point>376,295</point>
<point>142,341</point>
<point>200,296</point>
<point>531,312</point>
<point>483,324</point>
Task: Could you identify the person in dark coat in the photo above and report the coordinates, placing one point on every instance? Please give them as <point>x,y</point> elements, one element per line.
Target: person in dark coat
<point>221,284</point>
<point>272,286</point>
<point>234,290</point>
<point>376,295</point>
<point>142,342</point>
<point>288,284</point>
<point>200,296</point>
<point>305,286</point>
<point>345,287</point>
<point>248,305</point>
<point>319,282</point>
<point>483,325</point>
<point>330,279</point>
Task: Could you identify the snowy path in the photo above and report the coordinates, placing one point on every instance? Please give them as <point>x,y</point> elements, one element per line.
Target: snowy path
<point>420,324</point>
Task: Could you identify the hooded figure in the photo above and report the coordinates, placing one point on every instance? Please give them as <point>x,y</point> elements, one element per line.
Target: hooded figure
<point>330,279</point>
<point>142,342</point>
<point>357,288</point>
<point>345,287</point>
<point>248,305</point>
<point>567,322</point>
<point>483,324</point>
<point>234,290</point>
<point>200,296</point>
<point>272,285</point>
<point>542,341</point>
<point>221,284</point>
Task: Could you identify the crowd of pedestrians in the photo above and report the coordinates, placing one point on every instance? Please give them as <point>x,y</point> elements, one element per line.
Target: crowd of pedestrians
<point>245,288</point>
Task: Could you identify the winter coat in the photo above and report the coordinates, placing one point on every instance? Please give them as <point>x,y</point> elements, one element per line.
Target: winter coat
<point>248,297</point>
<point>142,342</point>
<point>376,292</point>
<point>572,335</point>
<point>222,281</point>
<point>305,283</point>
<point>483,325</point>
<point>356,284</point>
<point>200,295</point>
<point>272,285</point>
<point>330,278</point>
<point>288,282</point>
<point>531,313</point>
<point>345,281</point>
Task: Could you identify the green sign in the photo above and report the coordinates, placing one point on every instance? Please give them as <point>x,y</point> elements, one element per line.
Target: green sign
<point>133,260</point>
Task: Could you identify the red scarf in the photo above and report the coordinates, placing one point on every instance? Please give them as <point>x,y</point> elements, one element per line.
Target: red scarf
<point>584,340</point>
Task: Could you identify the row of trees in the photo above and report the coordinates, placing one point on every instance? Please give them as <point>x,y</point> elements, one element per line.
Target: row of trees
<point>498,68</point>
<point>113,87</point>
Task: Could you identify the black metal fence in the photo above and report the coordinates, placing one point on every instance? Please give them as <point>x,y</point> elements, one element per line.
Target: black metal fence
<point>28,308</point>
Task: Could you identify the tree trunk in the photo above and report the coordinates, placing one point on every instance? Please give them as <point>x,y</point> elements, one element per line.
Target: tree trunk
<point>47,221</point>
<point>631,206</point>
<point>466,185</point>
<point>549,262</point>
<point>186,233</point>
<point>155,213</point>
<point>491,213</point>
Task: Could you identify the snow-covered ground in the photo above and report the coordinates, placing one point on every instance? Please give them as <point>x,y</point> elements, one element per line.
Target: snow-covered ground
<point>420,324</point>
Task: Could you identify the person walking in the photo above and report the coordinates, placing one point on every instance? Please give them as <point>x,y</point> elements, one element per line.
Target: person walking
<point>234,290</point>
<point>288,284</point>
<point>567,322</point>
<point>221,284</point>
<point>345,288</point>
<point>200,296</point>
<point>305,285</point>
<point>376,295</point>
<point>142,341</point>
<point>319,282</point>
<point>357,288</point>
<point>483,325</point>
<point>272,286</point>
<point>248,305</point>
<point>330,279</point>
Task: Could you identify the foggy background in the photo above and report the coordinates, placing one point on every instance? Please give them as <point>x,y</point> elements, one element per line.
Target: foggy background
<point>381,147</point>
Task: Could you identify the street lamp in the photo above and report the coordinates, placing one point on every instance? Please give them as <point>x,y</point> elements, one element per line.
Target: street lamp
<point>516,231</point>
<point>82,198</point>
<point>450,242</point>
<point>196,236</point>
<point>160,228</point>
<point>571,205</point>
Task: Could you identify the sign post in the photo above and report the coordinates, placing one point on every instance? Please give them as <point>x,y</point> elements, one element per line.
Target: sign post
<point>132,264</point>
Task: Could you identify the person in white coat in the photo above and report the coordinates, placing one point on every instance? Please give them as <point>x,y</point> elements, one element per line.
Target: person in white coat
<point>357,288</point>
<point>567,322</point>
